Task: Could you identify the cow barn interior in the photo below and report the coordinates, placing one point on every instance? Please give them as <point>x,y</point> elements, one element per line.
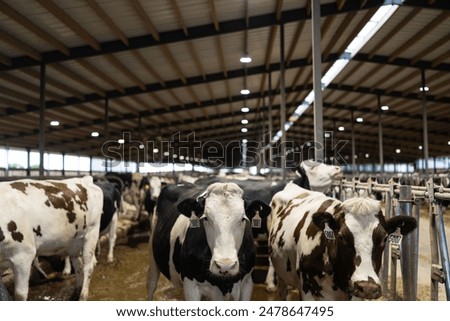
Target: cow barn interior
<point>246,87</point>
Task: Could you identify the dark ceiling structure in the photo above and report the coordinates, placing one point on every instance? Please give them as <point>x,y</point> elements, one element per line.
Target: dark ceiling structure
<point>167,73</point>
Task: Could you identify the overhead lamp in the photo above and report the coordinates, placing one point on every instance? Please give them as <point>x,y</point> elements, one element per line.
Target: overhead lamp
<point>245,109</point>
<point>155,150</point>
<point>244,130</point>
<point>341,128</point>
<point>420,147</point>
<point>95,134</point>
<point>448,142</point>
<point>245,91</point>
<point>367,155</point>
<point>424,88</point>
<point>398,151</point>
<point>385,107</point>
<point>54,123</point>
<point>244,121</point>
<point>121,141</point>
<point>245,59</point>
<point>359,120</point>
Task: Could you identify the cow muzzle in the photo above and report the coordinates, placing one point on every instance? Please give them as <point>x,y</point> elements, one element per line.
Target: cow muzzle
<point>368,290</point>
<point>224,267</point>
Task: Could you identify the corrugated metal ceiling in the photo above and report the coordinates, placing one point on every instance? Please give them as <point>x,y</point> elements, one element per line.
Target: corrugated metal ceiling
<point>168,66</point>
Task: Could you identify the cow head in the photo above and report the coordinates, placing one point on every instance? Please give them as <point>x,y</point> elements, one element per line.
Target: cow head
<point>361,233</point>
<point>155,187</point>
<point>320,175</point>
<point>225,219</point>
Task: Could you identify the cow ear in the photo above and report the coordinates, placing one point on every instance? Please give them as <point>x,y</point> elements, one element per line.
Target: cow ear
<point>302,179</point>
<point>320,218</point>
<point>189,205</point>
<point>406,224</point>
<point>257,206</point>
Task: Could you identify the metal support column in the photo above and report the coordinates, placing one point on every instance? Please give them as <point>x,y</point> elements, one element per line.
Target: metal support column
<point>63,172</point>
<point>443,250</point>
<point>385,265</point>
<point>270,122</point>
<point>408,261</point>
<point>106,129</point>
<point>424,124</point>
<point>380,138</point>
<point>41,119</point>
<point>28,161</point>
<point>440,269</point>
<point>317,83</point>
<point>283,104</point>
<point>352,129</point>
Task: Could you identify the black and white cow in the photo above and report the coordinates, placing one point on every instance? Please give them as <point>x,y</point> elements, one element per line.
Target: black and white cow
<point>201,240</point>
<point>49,217</point>
<point>328,249</point>
<point>112,199</point>
<point>133,190</point>
<point>152,194</point>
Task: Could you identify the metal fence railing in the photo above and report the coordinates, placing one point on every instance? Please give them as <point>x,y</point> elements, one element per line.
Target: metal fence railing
<point>408,200</point>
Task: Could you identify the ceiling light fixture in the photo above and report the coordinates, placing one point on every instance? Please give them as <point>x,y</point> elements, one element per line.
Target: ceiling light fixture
<point>424,88</point>
<point>54,123</point>
<point>359,120</point>
<point>244,130</point>
<point>245,59</point>
<point>385,107</point>
<point>245,109</point>
<point>244,121</point>
<point>95,134</point>
<point>245,91</point>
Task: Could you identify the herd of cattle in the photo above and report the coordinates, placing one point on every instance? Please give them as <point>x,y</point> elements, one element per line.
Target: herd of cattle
<point>202,233</point>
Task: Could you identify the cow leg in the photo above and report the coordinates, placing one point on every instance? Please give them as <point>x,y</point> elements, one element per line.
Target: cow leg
<point>112,237</point>
<point>89,261</point>
<point>270,278</point>
<point>153,271</point>
<point>67,266</point>
<point>77,267</point>
<point>21,265</point>
<point>282,288</point>
<point>192,290</point>
<point>246,288</point>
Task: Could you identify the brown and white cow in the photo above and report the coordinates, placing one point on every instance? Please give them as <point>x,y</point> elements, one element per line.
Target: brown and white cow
<point>328,249</point>
<point>49,217</point>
